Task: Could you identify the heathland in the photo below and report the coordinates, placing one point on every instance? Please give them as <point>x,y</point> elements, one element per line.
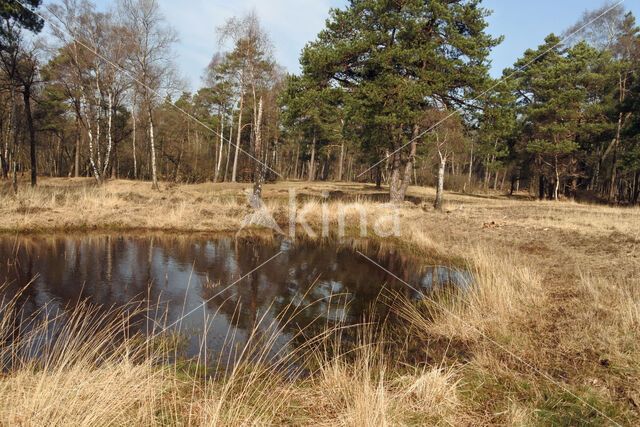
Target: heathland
<point>549,333</point>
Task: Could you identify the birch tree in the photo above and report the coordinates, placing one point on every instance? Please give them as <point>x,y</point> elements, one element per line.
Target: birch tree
<point>151,41</point>
<point>250,63</point>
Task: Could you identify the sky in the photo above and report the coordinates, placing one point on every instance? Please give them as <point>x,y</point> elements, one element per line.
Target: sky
<point>293,23</point>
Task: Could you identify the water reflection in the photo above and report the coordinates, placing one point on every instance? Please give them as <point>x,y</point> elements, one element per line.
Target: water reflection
<point>182,274</point>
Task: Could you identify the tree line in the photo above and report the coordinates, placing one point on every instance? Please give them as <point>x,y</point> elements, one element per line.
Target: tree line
<point>395,93</point>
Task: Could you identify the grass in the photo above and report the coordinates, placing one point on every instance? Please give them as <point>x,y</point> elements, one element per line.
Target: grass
<point>556,283</point>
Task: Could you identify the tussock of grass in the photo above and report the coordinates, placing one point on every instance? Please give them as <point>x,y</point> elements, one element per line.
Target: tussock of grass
<point>90,372</point>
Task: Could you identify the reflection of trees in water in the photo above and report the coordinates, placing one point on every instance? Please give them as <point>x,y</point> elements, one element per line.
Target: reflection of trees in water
<point>114,271</point>
<point>69,270</point>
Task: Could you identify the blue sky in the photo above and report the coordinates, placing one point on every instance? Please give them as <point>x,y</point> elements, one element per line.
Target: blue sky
<point>292,23</point>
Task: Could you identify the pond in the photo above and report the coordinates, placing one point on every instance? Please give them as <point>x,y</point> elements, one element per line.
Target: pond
<point>199,284</point>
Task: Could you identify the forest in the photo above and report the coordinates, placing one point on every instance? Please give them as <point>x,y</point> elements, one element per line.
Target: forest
<point>390,92</point>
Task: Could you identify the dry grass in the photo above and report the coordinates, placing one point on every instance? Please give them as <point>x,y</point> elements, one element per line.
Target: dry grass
<point>557,284</point>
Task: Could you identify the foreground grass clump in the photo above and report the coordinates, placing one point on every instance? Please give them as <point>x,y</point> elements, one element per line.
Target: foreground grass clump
<point>82,367</point>
<point>549,332</point>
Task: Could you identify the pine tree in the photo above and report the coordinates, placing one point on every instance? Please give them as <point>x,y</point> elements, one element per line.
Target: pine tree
<point>395,60</point>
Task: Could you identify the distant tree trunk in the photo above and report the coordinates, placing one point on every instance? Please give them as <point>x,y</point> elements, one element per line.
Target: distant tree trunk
<point>226,167</point>
<point>275,161</point>
<point>341,162</point>
<point>470,164</point>
<point>574,187</point>
<point>114,163</point>
<point>378,177</point>
<point>614,173</point>
<point>557,183</point>
<point>313,159</point>
<point>596,174</point>
<point>94,168</point>
<point>395,193</point>
<point>326,167</point>
<point>622,82</point>
<point>350,171</point>
<point>15,175</point>
<point>14,136</point>
<point>398,184</point>
<point>154,173</point>
<point>636,188</point>
<point>295,173</point>
<point>541,187</point>
<point>406,179</point>
<point>107,157</point>
<point>5,155</point>
<point>32,134</point>
<point>76,165</point>
<point>234,174</point>
<point>98,130</point>
<point>220,148</point>
<point>440,188</point>
<point>259,168</point>
<point>135,161</point>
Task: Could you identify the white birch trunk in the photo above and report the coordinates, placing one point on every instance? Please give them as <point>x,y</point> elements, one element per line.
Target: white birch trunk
<point>234,174</point>
<point>96,172</point>
<point>109,137</point>
<point>154,173</point>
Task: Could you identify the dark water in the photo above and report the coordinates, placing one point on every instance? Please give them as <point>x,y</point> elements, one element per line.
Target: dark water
<point>205,277</point>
